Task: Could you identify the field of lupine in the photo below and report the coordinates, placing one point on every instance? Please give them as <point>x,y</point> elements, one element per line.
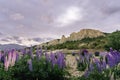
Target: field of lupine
<point>101,66</point>
<point>29,64</point>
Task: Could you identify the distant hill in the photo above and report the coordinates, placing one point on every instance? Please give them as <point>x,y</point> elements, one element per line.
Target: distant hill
<point>9,42</point>
<point>75,36</point>
<point>11,46</point>
<point>24,41</point>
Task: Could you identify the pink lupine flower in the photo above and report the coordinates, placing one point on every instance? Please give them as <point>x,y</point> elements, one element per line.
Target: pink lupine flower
<point>13,58</point>
<point>6,63</point>
<point>9,56</point>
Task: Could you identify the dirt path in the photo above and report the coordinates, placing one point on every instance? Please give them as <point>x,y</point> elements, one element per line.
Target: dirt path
<point>72,63</point>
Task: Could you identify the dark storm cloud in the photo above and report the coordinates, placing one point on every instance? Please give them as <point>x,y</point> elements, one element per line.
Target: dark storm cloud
<point>32,18</point>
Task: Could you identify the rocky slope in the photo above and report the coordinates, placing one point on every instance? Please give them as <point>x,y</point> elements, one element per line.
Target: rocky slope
<point>84,33</point>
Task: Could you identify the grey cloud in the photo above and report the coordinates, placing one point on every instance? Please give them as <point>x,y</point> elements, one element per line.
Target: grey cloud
<point>1,33</point>
<point>5,40</point>
<point>40,16</point>
<point>110,11</point>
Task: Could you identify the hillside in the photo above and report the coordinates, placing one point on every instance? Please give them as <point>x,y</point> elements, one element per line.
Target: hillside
<point>100,43</point>
<point>86,43</point>
<point>85,38</point>
<point>84,33</point>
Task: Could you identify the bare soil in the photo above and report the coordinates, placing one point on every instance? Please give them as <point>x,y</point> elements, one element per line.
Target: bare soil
<point>72,64</point>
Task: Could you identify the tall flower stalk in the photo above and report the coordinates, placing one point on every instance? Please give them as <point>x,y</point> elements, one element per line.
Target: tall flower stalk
<point>30,66</point>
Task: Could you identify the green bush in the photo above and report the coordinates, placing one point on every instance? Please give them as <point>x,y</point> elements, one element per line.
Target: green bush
<point>113,41</point>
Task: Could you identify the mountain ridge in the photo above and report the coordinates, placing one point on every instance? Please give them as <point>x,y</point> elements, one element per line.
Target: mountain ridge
<point>9,42</point>
<point>11,46</point>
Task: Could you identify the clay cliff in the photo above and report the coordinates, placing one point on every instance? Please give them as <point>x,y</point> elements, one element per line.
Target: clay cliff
<point>84,33</point>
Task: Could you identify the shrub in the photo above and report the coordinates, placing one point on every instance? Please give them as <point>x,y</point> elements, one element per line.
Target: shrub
<point>113,41</point>
<point>96,53</point>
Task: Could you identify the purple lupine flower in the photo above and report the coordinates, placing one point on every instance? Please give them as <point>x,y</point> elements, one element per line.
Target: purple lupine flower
<point>115,55</point>
<point>37,54</point>
<point>52,58</point>
<point>97,64</point>
<point>86,73</point>
<point>111,49</point>
<point>103,65</point>
<point>90,67</point>
<point>23,51</point>
<point>85,52</point>
<point>47,57</point>
<point>96,60</point>
<point>31,52</point>
<point>45,50</point>
<point>110,60</point>
<point>61,61</point>
<point>82,59</point>
<point>17,57</point>
<point>12,50</point>
<point>118,57</point>
<point>87,58</point>
<point>103,54</point>
<point>0,56</point>
<point>30,66</point>
<point>64,62</point>
<point>41,51</point>
<point>6,51</point>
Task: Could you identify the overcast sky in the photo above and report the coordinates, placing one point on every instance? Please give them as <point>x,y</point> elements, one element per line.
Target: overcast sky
<point>53,18</point>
